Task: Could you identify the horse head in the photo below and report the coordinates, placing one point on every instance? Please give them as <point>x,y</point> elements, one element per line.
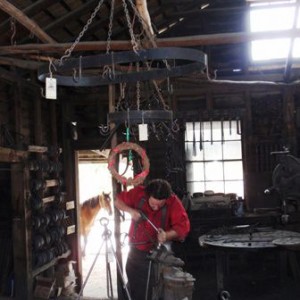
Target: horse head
<point>105,202</point>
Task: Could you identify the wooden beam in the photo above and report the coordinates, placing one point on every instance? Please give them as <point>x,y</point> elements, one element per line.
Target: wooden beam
<point>30,10</point>
<point>193,12</point>
<point>186,41</point>
<point>79,11</point>
<point>20,63</point>
<point>11,155</point>
<point>25,21</point>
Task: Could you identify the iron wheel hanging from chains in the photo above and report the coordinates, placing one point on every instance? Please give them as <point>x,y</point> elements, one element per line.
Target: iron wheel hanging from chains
<point>115,67</point>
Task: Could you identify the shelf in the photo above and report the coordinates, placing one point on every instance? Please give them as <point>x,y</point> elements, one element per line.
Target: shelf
<point>71,229</point>
<point>50,264</point>
<point>48,199</point>
<point>51,182</point>
<point>37,149</point>
<point>11,155</point>
<point>70,205</point>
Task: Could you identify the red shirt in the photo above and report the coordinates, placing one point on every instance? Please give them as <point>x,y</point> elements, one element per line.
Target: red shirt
<point>141,234</point>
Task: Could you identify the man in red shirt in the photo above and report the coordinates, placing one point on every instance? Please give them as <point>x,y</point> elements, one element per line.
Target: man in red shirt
<point>163,208</point>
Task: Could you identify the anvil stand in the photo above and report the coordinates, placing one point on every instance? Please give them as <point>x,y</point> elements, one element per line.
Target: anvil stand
<point>106,235</point>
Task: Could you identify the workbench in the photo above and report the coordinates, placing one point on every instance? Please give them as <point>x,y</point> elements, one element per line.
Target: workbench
<point>243,239</point>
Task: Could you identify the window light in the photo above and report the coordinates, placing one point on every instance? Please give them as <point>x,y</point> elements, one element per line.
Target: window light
<point>273,16</point>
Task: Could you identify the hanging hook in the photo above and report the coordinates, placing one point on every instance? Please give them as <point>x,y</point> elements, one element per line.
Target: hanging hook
<point>51,65</point>
<point>112,73</point>
<point>13,29</point>
<point>43,93</point>
<point>31,35</point>
<point>80,67</point>
<point>143,112</point>
<point>175,126</point>
<point>106,72</point>
<point>104,129</point>
<point>74,75</point>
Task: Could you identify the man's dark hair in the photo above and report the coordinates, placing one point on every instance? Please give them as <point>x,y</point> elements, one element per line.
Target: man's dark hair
<point>159,189</point>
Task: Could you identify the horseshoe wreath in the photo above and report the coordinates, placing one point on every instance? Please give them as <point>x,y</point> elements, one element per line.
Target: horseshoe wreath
<point>139,178</point>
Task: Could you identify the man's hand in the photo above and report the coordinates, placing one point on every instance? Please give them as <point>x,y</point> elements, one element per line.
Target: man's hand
<point>164,236</point>
<point>135,214</point>
<point>161,236</point>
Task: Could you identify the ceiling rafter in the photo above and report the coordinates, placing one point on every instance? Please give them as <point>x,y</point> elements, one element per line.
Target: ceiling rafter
<point>72,15</point>
<point>30,11</point>
<point>185,41</point>
<point>25,21</point>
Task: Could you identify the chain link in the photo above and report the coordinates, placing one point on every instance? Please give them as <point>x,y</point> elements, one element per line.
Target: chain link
<point>148,33</point>
<point>110,26</point>
<point>134,43</point>
<point>154,45</point>
<point>138,89</point>
<point>144,25</point>
<point>121,96</point>
<point>107,70</point>
<point>13,31</point>
<point>69,51</point>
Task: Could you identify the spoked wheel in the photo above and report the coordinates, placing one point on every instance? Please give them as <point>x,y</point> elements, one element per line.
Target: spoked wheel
<point>224,295</point>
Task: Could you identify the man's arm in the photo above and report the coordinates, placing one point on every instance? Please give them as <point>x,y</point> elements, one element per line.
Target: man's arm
<point>134,213</point>
<point>164,236</point>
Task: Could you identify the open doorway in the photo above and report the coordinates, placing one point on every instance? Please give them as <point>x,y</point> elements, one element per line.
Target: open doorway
<point>94,178</point>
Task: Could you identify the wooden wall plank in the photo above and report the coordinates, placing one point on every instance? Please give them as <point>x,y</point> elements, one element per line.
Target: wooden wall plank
<point>21,232</point>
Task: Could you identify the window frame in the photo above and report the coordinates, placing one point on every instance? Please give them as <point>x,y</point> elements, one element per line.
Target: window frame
<point>292,42</point>
<point>199,158</point>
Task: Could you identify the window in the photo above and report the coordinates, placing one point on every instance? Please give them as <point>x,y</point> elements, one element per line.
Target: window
<point>214,157</point>
<point>274,16</point>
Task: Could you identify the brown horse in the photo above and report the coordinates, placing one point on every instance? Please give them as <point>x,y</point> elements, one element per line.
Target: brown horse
<point>88,212</point>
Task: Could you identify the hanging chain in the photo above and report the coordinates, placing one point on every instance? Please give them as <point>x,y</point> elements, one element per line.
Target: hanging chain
<point>134,43</point>
<point>138,89</point>
<point>69,51</point>
<point>145,27</point>
<point>110,26</point>
<point>148,33</point>
<point>154,45</point>
<point>121,96</point>
<point>13,30</point>
<point>107,71</point>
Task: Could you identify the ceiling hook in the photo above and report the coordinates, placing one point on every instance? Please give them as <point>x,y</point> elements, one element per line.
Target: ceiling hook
<point>51,65</point>
<point>112,73</point>
<point>80,67</point>
<point>13,29</point>
<point>43,93</point>
<point>74,76</point>
<point>175,126</point>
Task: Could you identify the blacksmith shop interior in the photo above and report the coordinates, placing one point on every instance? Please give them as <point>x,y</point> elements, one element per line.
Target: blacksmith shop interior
<point>99,97</point>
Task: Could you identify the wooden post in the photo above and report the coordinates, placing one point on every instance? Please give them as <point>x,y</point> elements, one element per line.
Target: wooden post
<point>70,182</point>
<point>53,122</point>
<point>21,232</point>
<point>116,189</point>
<point>289,118</point>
